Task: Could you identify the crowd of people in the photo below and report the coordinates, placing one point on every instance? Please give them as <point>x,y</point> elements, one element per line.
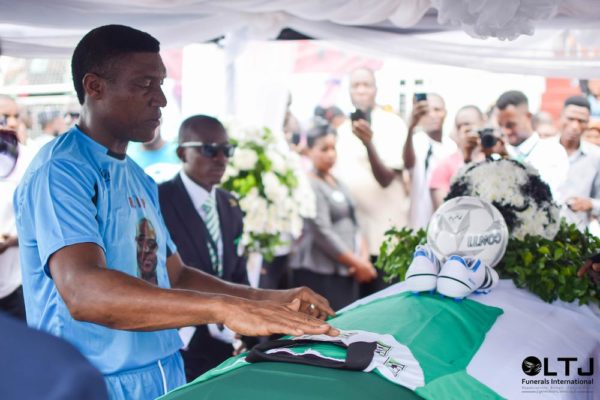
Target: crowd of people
<point>94,252</point>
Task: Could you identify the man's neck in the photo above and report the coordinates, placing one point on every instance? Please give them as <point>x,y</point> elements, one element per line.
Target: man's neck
<point>154,145</point>
<point>97,134</point>
<point>435,135</point>
<point>525,139</point>
<point>205,186</point>
<point>571,146</point>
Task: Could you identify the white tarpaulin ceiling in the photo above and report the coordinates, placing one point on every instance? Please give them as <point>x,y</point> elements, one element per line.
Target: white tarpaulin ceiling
<point>547,37</point>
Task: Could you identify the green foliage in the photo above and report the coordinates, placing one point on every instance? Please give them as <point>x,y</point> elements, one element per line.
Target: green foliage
<point>397,251</point>
<point>547,268</point>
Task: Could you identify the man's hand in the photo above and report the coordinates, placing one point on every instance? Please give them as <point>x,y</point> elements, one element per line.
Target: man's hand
<point>579,204</point>
<point>470,144</point>
<point>499,148</point>
<point>420,109</point>
<point>362,130</point>
<point>265,318</point>
<point>7,241</point>
<point>591,268</point>
<point>310,302</point>
<point>363,272</point>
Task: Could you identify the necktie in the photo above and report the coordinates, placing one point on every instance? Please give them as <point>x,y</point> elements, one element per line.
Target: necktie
<point>428,157</point>
<point>212,225</point>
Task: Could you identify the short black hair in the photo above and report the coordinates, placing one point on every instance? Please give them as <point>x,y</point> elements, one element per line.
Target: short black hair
<point>511,98</point>
<point>471,107</point>
<point>328,113</point>
<point>198,123</point>
<point>98,50</point>
<point>578,101</point>
<point>320,128</point>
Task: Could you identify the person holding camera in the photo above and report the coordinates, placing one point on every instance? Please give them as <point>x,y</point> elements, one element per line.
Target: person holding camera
<point>369,166</point>
<point>469,119</point>
<point>475,144</point>
<point>423,151</point>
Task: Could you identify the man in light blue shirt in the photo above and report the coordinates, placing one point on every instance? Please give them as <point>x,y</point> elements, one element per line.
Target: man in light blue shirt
<point>99,267</point>
<point>158,158</point>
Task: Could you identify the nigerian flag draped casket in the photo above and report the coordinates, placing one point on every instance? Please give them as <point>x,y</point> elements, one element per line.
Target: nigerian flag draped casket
<point>425,346</point>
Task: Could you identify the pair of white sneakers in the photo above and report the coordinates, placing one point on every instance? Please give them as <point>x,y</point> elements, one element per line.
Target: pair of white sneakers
<point>457,278</point>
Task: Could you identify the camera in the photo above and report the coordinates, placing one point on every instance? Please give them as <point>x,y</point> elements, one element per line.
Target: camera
<point>360,114</point>
<point>488,138</point>
<point>420,97</point>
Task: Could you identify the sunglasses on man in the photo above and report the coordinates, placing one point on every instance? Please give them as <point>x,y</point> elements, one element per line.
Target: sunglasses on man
<point>210,150</point>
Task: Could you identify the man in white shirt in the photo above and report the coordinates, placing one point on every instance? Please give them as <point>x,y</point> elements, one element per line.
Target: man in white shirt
<point>525,145</point>
<point>11,292</point>
<point>422,153</point>
<point>580,193</point>
<point>370,166</point>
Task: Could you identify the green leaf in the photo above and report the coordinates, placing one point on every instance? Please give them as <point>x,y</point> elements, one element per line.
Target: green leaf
<point>547,268</point>
<point>544,250</point>
<point>558,252</point>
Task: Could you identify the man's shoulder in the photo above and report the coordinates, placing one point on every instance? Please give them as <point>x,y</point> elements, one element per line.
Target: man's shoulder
<point>59,164</point>
<point>227,197</point>
<point>548,148</point>
<point>590,149</point>
<point>388,120</point>
<point>169,193</point>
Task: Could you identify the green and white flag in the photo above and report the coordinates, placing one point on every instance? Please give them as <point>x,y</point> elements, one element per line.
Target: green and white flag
<point>436,347</point>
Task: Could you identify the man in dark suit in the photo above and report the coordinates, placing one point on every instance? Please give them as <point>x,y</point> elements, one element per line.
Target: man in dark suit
<point>206,224</point>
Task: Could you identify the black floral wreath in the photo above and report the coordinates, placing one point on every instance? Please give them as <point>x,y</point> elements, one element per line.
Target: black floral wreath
<point>534,190</point>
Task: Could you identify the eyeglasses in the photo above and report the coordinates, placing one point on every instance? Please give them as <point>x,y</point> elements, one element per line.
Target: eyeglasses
<point>211,150</point>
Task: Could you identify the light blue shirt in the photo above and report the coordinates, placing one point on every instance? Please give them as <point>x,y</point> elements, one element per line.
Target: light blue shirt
<point>75,192</point>
<point>161,164</point>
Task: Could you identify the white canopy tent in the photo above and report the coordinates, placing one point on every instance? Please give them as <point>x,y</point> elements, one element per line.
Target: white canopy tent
<point>564,37</point>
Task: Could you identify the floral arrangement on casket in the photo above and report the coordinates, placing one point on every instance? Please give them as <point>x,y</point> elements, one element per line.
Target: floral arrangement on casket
<point>273,190</point>
<point>543,253</point>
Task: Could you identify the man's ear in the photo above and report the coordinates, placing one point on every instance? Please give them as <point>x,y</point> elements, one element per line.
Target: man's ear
<point>181,154</point>
<point>93,86</point>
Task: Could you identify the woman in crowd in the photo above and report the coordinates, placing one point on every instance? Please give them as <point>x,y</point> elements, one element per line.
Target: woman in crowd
<point>330,257</point>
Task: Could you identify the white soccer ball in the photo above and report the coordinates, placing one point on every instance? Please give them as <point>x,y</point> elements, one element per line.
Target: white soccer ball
<point>468,227</point>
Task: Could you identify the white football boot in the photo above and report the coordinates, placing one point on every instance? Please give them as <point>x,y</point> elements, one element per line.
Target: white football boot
<point>461,277</point>
<point>423,271</point>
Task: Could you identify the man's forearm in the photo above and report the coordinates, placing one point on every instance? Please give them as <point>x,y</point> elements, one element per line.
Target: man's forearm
<point>119,301</point>
<point>383,175</point>
<point>408,153</point>
<point>193,279</point>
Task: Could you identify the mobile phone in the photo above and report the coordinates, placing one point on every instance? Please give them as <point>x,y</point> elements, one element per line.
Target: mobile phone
<point>420,96</point>
<point>359,114</point>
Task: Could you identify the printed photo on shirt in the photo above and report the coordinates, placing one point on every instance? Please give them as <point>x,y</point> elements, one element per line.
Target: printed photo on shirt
<point>147,247</point>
